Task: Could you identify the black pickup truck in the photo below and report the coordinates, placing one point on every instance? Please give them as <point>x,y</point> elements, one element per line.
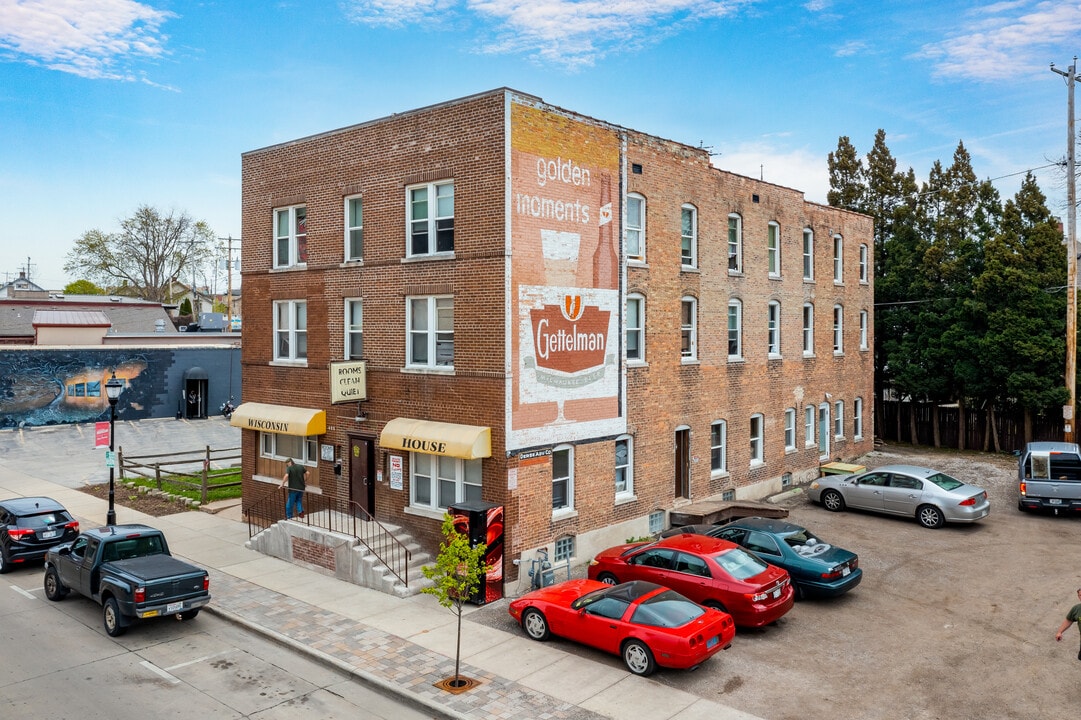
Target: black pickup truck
<point>128,569</point>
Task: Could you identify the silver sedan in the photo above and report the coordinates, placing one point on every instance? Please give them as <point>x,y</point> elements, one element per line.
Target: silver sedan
<point>931,497</point>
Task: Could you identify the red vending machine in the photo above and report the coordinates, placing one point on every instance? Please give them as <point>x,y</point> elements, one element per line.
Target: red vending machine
<point>482,522</point>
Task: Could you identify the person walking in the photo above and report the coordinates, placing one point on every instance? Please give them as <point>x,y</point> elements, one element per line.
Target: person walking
<point>297,477</point>
<point>1073,616</point>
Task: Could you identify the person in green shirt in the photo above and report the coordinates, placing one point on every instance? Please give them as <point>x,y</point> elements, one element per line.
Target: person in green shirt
<point>297,477</point>
<point>1074,616</point>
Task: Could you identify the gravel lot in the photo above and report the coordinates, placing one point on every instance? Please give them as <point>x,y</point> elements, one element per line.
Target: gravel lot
<point>951,623</point>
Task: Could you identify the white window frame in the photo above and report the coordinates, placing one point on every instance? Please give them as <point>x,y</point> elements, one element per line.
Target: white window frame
<point>568,479</point>
<point>735,311</point>
<point>294,331</point>
<point>353,327</point>
<point>635,235</point>
<point>808,254</point>
<point>296,242</point>
<point>773,329</point>
<point>718,447</point>
<point>735,243</point>
<point>434,221</point>
<point>758,439</point>
<point>857,419</point>
<point>790,429</point>
<point>269,447</point>
<point>688,349</point>
<point>354,230</point>
<point>627,467</point>
<point>638,330</point>
<point>863,263</point>
<point>433,305</point>
<point>773,249</point>
<point>838,259</point>
<point>809,422</point>
<point>464,474</point>
<point>839,419</point>
<point>688,248</point>
<point>808,329</point>
<point>838,330</point>
<point>863,330</point>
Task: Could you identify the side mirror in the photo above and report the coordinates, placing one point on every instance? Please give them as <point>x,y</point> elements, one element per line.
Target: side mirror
<point>64,550</point>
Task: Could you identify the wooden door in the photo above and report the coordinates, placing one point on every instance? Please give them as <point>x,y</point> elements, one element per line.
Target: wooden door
<point>361,467</point>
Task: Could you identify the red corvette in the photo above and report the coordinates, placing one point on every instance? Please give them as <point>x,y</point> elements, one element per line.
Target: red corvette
<point>710,571</point>
<point>646,624</point>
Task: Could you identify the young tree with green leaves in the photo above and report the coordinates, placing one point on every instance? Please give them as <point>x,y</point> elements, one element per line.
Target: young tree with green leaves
<point>83,287</point>
<point>458,574</point>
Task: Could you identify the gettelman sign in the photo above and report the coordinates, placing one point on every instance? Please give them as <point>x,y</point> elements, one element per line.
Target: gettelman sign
<point>348,381</point>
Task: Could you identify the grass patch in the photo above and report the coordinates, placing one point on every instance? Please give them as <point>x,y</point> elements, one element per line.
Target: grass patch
<point>170,484</point>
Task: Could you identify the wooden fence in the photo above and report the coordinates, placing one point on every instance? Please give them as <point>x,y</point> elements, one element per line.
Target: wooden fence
<point>203,468</point>
<point>894,424</point>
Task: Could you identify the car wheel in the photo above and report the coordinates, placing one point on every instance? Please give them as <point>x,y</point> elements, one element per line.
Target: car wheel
<point>638,658</point>
<point>4,567</point>
<point>715,605</point>
<point>798,591</point>
<point>54,589</point>
<point>832,501</point>
<point>608,579</point>
<point>110,616</point>
<point>535,624</point>
<point>930,516</point>
<point>188,614</point>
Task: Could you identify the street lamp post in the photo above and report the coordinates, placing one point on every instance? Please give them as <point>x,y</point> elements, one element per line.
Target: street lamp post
<point>112,390</point>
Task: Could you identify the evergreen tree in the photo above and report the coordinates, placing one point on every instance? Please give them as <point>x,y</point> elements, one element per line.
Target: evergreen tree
<point>847,187</point>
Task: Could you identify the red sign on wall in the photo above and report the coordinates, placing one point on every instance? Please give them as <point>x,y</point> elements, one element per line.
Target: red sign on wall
<point>101,435</point>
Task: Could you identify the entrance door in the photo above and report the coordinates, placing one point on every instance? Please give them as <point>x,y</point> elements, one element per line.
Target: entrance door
<point>683,462</point>
<point>195,397</point>
<point>824,430</point>
<point>361,464</point>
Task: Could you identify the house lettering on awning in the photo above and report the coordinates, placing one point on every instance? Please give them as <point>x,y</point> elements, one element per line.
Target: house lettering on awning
<point>468,442</point>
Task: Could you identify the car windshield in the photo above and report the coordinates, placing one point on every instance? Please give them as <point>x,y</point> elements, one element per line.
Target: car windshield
<point>801,536</point>
<point>739,564</point>
<point>668,609</point>
<point>944,481</point>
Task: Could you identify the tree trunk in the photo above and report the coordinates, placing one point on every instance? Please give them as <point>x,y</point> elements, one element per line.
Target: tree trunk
<point>897,421</point>
<point>987,430</point>
<point>960,424</point>
<point>912,422</point>
<point>458,647</point>
<point>994,429</point>
<point>1028,425</point>
<point>935,429</point>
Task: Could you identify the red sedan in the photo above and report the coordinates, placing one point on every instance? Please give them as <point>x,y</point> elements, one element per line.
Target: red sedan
<point>713,572</point>
<point>647,625</point>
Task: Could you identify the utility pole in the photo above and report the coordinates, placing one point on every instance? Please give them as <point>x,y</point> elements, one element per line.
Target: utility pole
<point>229,275</point>
<point>1071,257</point>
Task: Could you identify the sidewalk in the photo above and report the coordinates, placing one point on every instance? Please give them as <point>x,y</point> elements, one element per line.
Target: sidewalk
<point>402,646</point>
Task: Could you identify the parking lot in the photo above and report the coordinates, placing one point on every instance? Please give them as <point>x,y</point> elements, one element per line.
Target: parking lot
<point>951,623</point>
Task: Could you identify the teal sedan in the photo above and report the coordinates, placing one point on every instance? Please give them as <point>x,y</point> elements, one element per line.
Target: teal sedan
<point>817,568</point>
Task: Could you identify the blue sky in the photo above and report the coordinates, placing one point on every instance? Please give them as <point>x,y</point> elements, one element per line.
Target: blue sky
<point>109,104</point>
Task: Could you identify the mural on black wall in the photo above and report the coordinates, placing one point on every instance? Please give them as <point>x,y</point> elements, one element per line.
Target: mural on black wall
<point>47,388</point>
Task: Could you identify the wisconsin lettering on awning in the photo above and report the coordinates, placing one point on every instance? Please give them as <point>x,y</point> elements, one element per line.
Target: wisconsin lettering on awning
<point>282,419</point>
<point>437,438</point>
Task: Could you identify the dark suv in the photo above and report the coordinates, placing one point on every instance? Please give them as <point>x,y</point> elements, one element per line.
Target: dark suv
<point>30,526</point>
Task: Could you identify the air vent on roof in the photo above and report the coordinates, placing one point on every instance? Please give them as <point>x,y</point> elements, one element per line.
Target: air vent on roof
<point>114,298</point>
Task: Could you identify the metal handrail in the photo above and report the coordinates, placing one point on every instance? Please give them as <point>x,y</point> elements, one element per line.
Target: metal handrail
<point>335,515</point>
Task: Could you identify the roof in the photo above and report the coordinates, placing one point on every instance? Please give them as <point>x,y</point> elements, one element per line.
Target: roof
<point>779,527</point>
<point>125,315</point>
<point>31,505</point>
<point>701,544</point>
<point>67,318</point>
<point>121,530</point>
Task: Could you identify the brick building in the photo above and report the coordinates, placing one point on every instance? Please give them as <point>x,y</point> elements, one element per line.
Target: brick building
<point>497,299</point>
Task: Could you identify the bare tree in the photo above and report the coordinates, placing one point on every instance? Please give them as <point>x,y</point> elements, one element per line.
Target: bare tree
<point>150,250</point>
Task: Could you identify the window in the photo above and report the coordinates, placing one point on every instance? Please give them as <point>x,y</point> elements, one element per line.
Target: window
<point>863,263</point>
<point>773,329</point>
<point>635,327</point>
<point>625,466</point>
<point>354,330</point>
<point>291,330</point>
<point>718,452</point>
<point>735,243</point>
<point>857,419</point>
<point>839,419</point>
<point>838,329</point>
<point>277,446</point>
<point>808,254</point>
<point>863,329</point>
<point>773,249</point>
<point>688,250</point>
<point>757,431</point>
<point>565,551</point>
<point>735,331</point>
<point>437,482</point>
<point>838,259</point>
<point>636,227</point>
<point>291,236</point>
<point>656,522</point>
<point>563,478</point>
<point>809,425</point>
<point>430,328</point>
<point>431,215</point>
<point>790,429</point>
<point>688,329</point>
<point>808,329</point>
<point>354,229</point>
<point>728,495</point>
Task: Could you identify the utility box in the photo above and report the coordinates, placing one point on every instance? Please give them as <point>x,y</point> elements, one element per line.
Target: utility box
<point>212,322</point>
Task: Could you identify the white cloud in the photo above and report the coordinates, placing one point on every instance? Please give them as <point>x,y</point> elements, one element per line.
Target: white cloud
<point>850,48</point>
<point>1006,40</point>
<point>89,38</point>
<point>570,32</point>
<point>798,169</point>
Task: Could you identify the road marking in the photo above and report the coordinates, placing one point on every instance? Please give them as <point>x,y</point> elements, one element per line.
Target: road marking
<point>158,671</point>
<point>24,593</point>
<point>197,660</point>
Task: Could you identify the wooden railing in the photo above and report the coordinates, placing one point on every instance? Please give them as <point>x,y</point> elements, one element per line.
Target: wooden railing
<point>197,465</point>
<point>335,515</point>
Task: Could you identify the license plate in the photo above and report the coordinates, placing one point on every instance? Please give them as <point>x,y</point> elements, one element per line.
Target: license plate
<point>845,571</point>
<point>712,641</point>
<point>174,608</point>
<point>1055,501</point>
<point>777,593</point>
<point>46,534</point>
